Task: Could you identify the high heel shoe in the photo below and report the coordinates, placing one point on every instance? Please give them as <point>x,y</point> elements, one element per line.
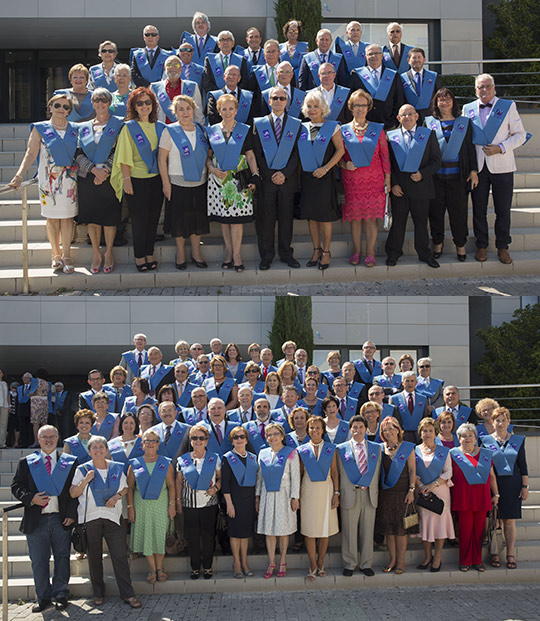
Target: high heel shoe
<point>313,262</point>
<point>325,266</point>
<point>425,565</point>
<point>282,572</point>
<point>226,265</point>
<point>201,264</point>
<point>433,569</point>
<point>270,571</point>
<point>438,255</point>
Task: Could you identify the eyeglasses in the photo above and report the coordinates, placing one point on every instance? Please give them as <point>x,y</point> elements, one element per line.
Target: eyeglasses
<point>424,366</point>
<point>66,107</point>
<point>186,49</point>
<point>390,364</point>
<point>151,441</point>
<point>273,434</point>
<point>198,438</point>
<point>151,34</point>
<point>100,100</point>
<point>252,371</point>
<point>204,362</point>
<point>278,98</point>
<point>239,438</point>
<point>107,51</point>
<point>145,102</point>
<point>312,372</point>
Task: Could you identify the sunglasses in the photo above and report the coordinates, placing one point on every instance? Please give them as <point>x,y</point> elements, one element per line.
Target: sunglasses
<point>151,441</point>
<point>107,51</point>
<point>101,99</point>
<point>276,98</point>
<point>151,34</point>
<point>252,371</point>
<point>186,49</point>
<point>146,102</point>
<point>239,438</point>
<point>59,105</point>
<point>204,362</point>
<point>198,438</point>
<point>424,366</point>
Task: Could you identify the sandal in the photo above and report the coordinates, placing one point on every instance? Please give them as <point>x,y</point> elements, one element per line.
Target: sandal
<point>388,568</point>
<point>226,265</point>
<point>495,561</point>
<point>141,267</point>
<point>95,269</point>
<point>161,575</point>
<point>313,262</point>
<point>324,266</point>
<point>511,564</point>
<point>239,268</point>
<point>479,568</point>
<point>370,261</point>
<point>322,572</point>
<point>282,572</point>
<point>464,568</point>
<point>207,574</point>
<point>355,259</point>
<point>195,573</point>
<point>312,576</point>
<point>151,265</point>
<point>399,570</point>
<point>133,602</point>
<point>270,571</point>
<point>107,269</point>
<point>68,266</point>
<point>151,577</point>
<point>56,262</point>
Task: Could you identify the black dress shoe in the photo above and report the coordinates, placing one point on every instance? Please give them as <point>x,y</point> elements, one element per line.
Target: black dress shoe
<point>264,265</point>
<point>432,262</point>
<point>180,266</point>
<point>200,264</point>
<point>368,572</point>
<point>292,262</point>
<point>42,604</point>
<point>159,237</point>
<point>391,262</point>
<point>461,257</point>
<point>61,603</point>
<point>438,255</point>
<point>348,572</point>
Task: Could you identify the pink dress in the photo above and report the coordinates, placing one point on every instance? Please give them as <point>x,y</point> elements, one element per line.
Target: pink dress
<point>433,526</point>
<point>364,187</point>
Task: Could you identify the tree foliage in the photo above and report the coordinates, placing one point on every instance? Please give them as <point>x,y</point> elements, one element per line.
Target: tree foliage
<point>512,356</point>
<point>309,12</point>
<point>292,322</point>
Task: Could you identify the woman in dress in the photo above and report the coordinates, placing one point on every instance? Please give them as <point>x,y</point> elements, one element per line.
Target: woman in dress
<point>405,363</point>
<point>235,365</point>
<point>198,482</point>
<point>293,49</point>
<point>398,481</point>
<point>446,426</point>
<point>475,492</point>
<point>459,168</point>
<point>100,485</point>
<point>102,74</point>
<point>484,409</point>
<point>365,174</point>
<point>55,143</point>
<point>277,496</point>
<point>321,148</point>
<point>118,386</point>
<point>151,504</point>
<point>337,430</point>
<point>333,360</point>
<point>220,385</point>
<point>298,422</point>
<point>146,415</point>
<point>433,475</point>
<point>141,395</point>
<point>238,479</point>
<point>182,164</point>
<point>319,495</point>
<point>231,184</point>
<point>122,79</point>
<point>511,471</point>
<point>289,376</point>
<point>79,94</point>
<point>273,390</point>
<point>39,401</point>
<point>372,412</point>
<point>128,444</point>
<point>311,401</point>
<point>106,424</point>
<point>98,205</point>
<point>77,445</point>
<point>135,173</point>
<point>252,373</point>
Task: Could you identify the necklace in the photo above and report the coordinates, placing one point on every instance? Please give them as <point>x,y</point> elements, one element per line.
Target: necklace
<point>227,130</point>
<point>240,454</point>
<point>317,445</point>
<point>360,128</point>
<point>426,449</point>
<point>60,128</point>
<point>393,448</point>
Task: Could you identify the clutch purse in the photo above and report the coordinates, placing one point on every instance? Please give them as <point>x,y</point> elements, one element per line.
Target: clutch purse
<point>410,518</point>
<point>431,502</point>
<point>387,221</point>
<point>243,177</point>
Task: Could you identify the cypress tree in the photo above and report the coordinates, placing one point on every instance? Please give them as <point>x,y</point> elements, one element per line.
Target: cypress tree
<point>309,12</point>
<point>292,322</point>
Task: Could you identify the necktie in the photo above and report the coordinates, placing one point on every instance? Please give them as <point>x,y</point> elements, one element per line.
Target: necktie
<point>355,49</point>
<point>219,435</point>
<point>225,62</point>
<point>140,359</point>
<point>301,375</point>
<point>362,466</point>
<point>152,371</point>
<point>411,403</point>
<point>418,83</point>
<point>244,416</point>
<point>263,436</point>
<point>151,56</point>
<point>396,56</point>
<point>199,416</point>
<point>201,44</point>
<point>168,434</point>
<point>323,58</point>
<point>48,465</point>
<point>488,105</point>
<point>187,71</point>
<point>203,376</point>
<point>375,77</point>
<point>254,58</point>
<point>179,390</point>
<point>272,77</point>
<point>369,365</point>
<point>342,408</point>
<point>265,372</point>
<point>410,138</point>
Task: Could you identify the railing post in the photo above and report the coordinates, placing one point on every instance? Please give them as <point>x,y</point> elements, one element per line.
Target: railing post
<point>5,566</point>
<point>26,284</point>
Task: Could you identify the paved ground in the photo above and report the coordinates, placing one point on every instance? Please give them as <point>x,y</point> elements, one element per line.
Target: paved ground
<point>478,603</point>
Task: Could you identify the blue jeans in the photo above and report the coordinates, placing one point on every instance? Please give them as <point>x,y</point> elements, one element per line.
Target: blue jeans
<point>50,535</point>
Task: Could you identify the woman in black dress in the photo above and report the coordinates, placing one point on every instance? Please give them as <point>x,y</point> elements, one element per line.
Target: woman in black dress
<point>238,478</point>
<point>321,147</point>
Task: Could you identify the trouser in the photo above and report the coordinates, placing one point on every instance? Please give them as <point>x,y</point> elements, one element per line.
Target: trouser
<point>144,209</point>
<point>275,204</point>
<point>471,528</point>
<point>200,530</point>
<point>50,535</point>
<point>502,187</point>
<point>451,196</point>
<point>115,536</point>
<point>419,209</point>
<point>4,415</point>
<point>358,522</point>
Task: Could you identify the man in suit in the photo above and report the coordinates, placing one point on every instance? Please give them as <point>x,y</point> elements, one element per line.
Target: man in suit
<point>356,389</point>
<point>275,145</point>
<point>281,415</point>
<point>190,70</point>
<point>244,412</point>
<point>96,380</point>
<point>264,76</point>
<point>147,62</point>
<point>63,411</point>
<point>244,97</point>
<point>182,387</point>
<point>384,86</point>
<point>396,52</point>
<point>172,433</point>
<point>300,360</point>
<point>359,470</point>
<point>201,40</point>
<point>203,370</point>
<point>295,97</point>
<point>157,373</point>
<point>215,65</point>
<point>133,360</point>
<point>253,53</point>
<point>412,407</point>
<point>219,427</point>
<point>352,49</point>
<point>199,412</point>
<point>22,409</point>
<point>335,96</point>
<point>42,483</point>
<point>427,385</point>
<point>376,394</point>
<point>367,367</point>
<point>348,406</point>
<point>216,347</point>
<point>462,413</point>
<point>257,428</point>
<point>308,76</point>
<point>389,381</point>
<point>495,141</point>
<point>419,84</point>
<point>266,362</point>
<point>415,157</point>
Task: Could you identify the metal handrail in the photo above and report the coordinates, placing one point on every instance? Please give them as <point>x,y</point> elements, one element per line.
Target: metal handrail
<point>5,560</point>
<point>484,60</point>
<point>23,187</point>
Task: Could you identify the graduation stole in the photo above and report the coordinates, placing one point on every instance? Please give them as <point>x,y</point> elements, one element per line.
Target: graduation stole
<point>209,45</point>
<point>239,372</point>
<point>504,457</point>
<point>292,440</point>
<point>474,476</point>
<point>246,476</point>
<point>85,108</point>
<point>52,484</point>
<point>348,460</point>
<point>23,396</point>
<point>151,74</point>
<point>388,59</point>
<point>118,453</point>
<point>485,135</point>
<point>314,63</point>
<point>148,156</point>
<point>106,426</point>
<point>132,363</point>
<point>255,437</point>
<point>398,463</point>
<point>422,101</point>
<point>193,160</point>
<point>409,158</point>
<point>119,108</point>
<point>157,377</point>
<point>225,390</point>
<point>351,60</point>
<point>355,390</point>
<point>383,381</point>
<point>98,153</point>
<point>63,149</point>
<point>433,386</point>
<point>330,377</point>
<point>186,395</point>
<point>101,489</point>
<point>351,405</point>
<point>77,449</point>
<point>316,410</point>
<point>227,153</point>
<point>364,372</point>
<point>195,74</point>
<point>300,50</point>
<point>216,66</point>
<point>178,431</point>
<point>341,433</point>
<point>198,481</point>
<point>433,471</point>
<point>272,472</point>
<point>259,71</point>
<point>59,401</point>
<point>410,421</point>
<point>454,436</point>
<point>150,486</point>
<point>462,416</point>
<point>164,100</point>
<point>277,156</point>
<point>279,417</point>
<point>243,51</point>
<point>482,431</point>
<point>317,469</point>
<point>130,403</point>
<point>380,91</point>
<point>244,103</point>
<point>312,152</point>
<point>100,78</point>
<point>449,150</point>
<point>322,391</point>
<point>340,97</point>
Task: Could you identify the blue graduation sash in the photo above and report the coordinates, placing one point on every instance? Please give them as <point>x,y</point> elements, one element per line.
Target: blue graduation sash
<point>292,440</point>
<point>322,391</point>
<point>277,156</point>
<point>59,400</point>
<point>330,377</point>
<point>348,460</point>
<point>317,469</point>
<point>118,400</point>
<point>62,149</point>
<point>340,97</point>
<point>365,375</point>
<point>213,445</point>
<point>98,75</point>
<point>119,108</point>
<point>217,69</point>
<point>428,475</point>
<point>454,436</point>
<point>193,160</point>
<point>209,45</point>
<point>398,463</point>
<point>272,473</point>
<point>164,100</point>
<point>278,416</point>
<point>53,484</point>
<point>351,405</point>
<point>130,403</point>
<point>316,410</point>
<point>246,476</point>
<point>150,486</point>
<point>132,363</point>
<point>296,59</point>
<point>485,135</point>
<point>434,384</point>
<point>85,109</point>
<point>77,449</point>
<point>504,458</point>
<point>227,153</point>
<point>410,421</point>
<point>106,426</point>
<point>150,74</point>
<point>198,481</point>
<point>103,490</point>
<point>178,432</point>
<point>422,101</point>
<point>388,59</point>
<point>98,153</point>
<point>380,91</point>
<point>239,372</point>
<point>387,410</point>
<point>314,63</point>
<point>384,383</point>
<point>186,395</point>
<point>244,103</point>
<point>409,159</point>
<point>142,143</point>
<point>450,149</point>
<point>255,437</point>
<point>224,391</point>
<point>341,433</point>
<point>481,430</point>
<point>462,416</point>
<point>351,60</point>
<point>312,152</point>
<point>356,389</point>
<point>474,476</point>
<point>119,454</point>
<point>243,51</point>
<point>157,377</point>
<point>195,74</point>
<point>297,99</point>
<point>24,396</point>
<point>259,71</point>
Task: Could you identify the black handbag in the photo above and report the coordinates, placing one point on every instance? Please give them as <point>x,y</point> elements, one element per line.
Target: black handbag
<point>244,178</point>
<point>79,538</point>
<point>431,502</point>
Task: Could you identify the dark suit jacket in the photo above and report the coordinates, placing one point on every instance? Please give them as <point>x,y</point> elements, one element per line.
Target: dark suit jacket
<point>214,117</point>
<point>208,81</point>
<point>168,378</point>
<point>423,112</point>
<point>24,489</point>
<point>306,81</point>
<point>383,111</point>
<point>259,104</point>
<point>135,71</point>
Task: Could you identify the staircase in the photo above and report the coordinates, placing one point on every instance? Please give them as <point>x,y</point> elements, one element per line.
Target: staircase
<point>525,247</point>
<point>527,557</point>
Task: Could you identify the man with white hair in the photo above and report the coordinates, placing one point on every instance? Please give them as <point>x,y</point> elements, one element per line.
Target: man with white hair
<point>201,40</point>
<point>264,76</point>
<point>157,373</point>
<point>336,96</point>
<point>389,380</point>
<point>353,49</point>
<point>427,385</point>
<point>497,131</point>
<point>215,65</point>
<point>308,76</point>
<point>295,97</point>
<point>133,360</point>
<point>412,407</point>
<point>147,62</point>
<point>395,54</point>
<point>244,97</point>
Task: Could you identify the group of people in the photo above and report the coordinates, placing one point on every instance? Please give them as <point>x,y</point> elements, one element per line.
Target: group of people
<point>227,134</point>
<point>273,450</point>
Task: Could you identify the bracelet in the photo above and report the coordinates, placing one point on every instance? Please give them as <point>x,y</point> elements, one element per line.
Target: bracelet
<point>172,503</point>
<point>524,487</point>
<point>126,178</point>
<point>496,495</point>
<point>337,492</point>
<point>130,506</point>
<point>325,169</point>
<point>437,482</point>
<point>411,489</point>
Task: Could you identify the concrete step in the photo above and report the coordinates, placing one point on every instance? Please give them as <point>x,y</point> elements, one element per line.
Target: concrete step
<point>17,130</point>
<point>8,172</point>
